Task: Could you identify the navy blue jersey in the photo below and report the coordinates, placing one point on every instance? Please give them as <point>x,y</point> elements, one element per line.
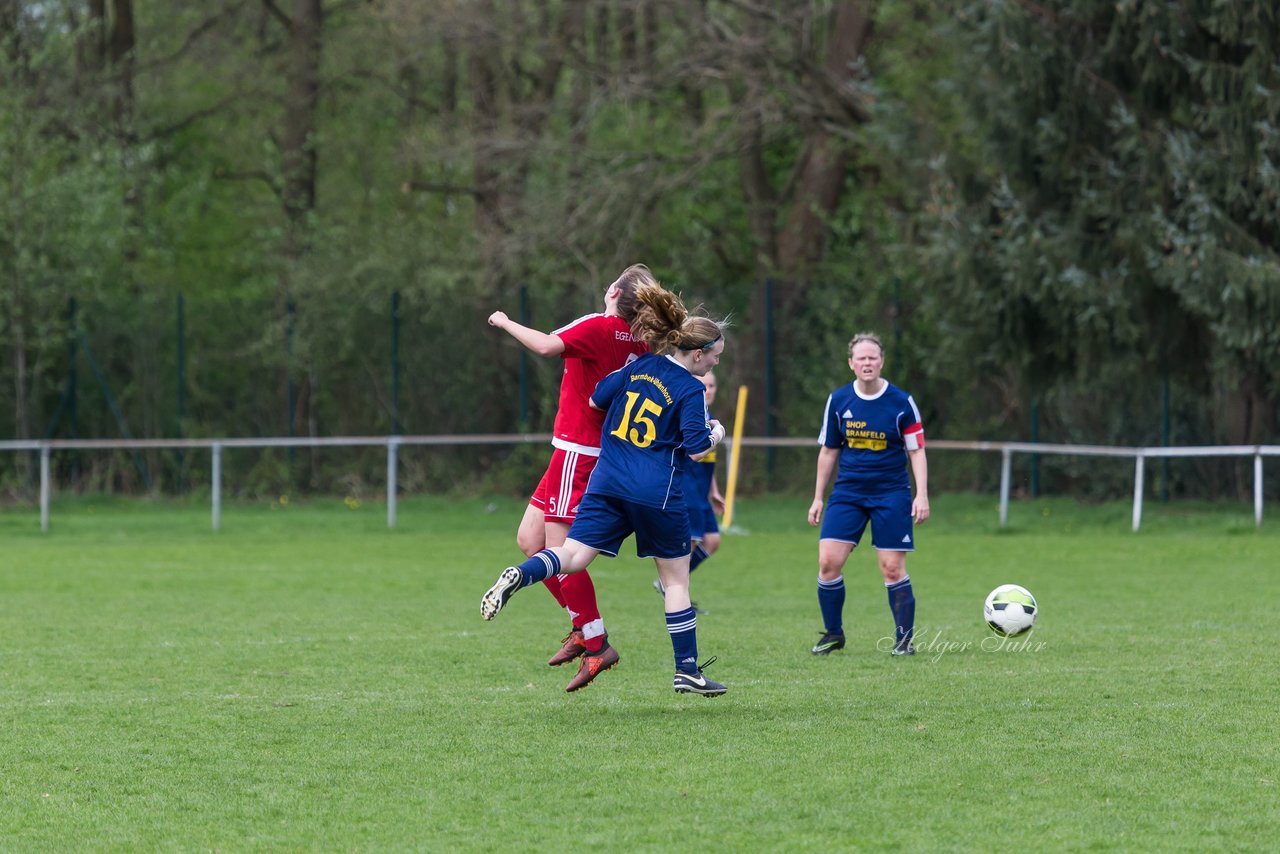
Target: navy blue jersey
<point>657,416</point>
<point>873,434</point>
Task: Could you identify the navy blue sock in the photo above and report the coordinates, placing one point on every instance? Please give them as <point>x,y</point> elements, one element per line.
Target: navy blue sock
<point>683,628</point>
<point>831,601</point>
<point>698,556</point>
<point>541,566</point>
<point>902,602</point>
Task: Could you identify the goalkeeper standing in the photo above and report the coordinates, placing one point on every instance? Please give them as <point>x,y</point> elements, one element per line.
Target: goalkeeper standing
<point>870,431</point>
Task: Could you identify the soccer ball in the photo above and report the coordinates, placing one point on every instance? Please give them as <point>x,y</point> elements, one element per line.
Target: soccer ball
<point>1009,610</point>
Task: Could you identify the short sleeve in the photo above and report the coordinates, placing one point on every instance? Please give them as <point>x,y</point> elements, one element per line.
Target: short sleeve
<point>581,337</point>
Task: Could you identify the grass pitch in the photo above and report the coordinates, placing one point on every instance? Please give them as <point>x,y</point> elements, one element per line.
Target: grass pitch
<point>307,680</point>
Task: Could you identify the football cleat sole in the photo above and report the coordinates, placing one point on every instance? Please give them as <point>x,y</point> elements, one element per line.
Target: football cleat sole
<point>497,595</point>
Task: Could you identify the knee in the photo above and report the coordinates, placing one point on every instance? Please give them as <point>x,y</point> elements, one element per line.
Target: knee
<point>893,571</point>
<point>710,543</point>
<point>528,543</point>
<point>829,570</point>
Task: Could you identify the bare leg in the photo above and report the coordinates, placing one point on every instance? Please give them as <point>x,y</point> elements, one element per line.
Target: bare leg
<point>710,543</point>
<point>832,555</point>
<point>674,575</point>
<point>893,566</point>
<point>531,536</point>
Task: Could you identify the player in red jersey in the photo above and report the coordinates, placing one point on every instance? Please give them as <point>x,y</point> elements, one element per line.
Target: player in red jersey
<point>592,347</point>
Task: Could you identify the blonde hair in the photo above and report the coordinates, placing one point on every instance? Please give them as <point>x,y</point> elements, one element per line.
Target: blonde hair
<point>664,322</point>
<point>865,336</point>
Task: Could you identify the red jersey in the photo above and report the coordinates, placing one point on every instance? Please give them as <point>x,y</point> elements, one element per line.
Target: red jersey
<point>595,345</point>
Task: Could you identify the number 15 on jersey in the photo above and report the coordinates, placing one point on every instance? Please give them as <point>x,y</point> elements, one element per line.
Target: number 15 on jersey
<point>637,425</point>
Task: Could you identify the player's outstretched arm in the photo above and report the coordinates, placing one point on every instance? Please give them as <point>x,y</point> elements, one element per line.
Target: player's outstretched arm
<point>542,343</point>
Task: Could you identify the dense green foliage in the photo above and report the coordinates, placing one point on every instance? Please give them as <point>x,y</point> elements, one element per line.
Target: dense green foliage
<point>1130,224</point>
<point>307,680</point>
<point>1060,216</point>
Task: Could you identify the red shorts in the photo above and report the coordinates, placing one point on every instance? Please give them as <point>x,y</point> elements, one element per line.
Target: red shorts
<point>560,491</point>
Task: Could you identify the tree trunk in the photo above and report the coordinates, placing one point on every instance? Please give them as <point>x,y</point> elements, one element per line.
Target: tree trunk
<point>500,112</point>
<point>1248,418</point>
<point>601,41</point>
<point>120,42</point>
<point>301,99</point>
<point>449,78</point>
<point>788,246</point>
<point>483,75</point>
<point>820,170</point>
<point>298,153</point>
<point>21,412</point>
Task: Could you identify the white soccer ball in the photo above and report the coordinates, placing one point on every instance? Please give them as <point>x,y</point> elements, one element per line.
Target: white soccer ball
<point>1010,610</point>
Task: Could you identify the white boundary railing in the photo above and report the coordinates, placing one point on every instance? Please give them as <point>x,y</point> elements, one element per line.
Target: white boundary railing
<point>394,443</point>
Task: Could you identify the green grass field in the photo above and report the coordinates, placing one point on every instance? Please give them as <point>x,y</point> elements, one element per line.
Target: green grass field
<point>307,680</point>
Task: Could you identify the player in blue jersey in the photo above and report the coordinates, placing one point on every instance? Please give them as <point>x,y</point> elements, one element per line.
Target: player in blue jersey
<point>870,431</point>
<point>702,494</point>
<point>655,423</point>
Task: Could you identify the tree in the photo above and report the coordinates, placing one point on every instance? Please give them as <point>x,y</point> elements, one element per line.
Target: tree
<point>61,219</point>
<point>1123,207</point>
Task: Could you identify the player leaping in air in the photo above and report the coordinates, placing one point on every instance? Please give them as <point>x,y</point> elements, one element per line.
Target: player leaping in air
<point>591,347</point>
<point>655,422</point>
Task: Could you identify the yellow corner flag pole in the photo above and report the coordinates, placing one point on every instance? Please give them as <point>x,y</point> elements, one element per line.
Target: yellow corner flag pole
<point>731,487</point>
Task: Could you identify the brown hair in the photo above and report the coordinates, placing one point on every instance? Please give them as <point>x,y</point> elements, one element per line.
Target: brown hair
<point>865,336</point>
<point>632,280</point>
<point>664,322</point>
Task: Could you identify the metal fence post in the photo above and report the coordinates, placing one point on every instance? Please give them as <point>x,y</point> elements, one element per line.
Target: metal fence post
<point>1035,458</point>
<point>1006,466</point>
<point>215,486</point>
<point>45,487</point>
<point>770,382</point>
<point>1257,490</point>
<point>1139,470</point>
<point>180,401</point>
<point>392,445</point>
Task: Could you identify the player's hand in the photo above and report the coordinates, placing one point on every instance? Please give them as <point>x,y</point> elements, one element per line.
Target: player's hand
<point>815,512</point>
<point>717,431</point>
<point>920,509</point>
<point>498,318</point>
<point>717,504</point>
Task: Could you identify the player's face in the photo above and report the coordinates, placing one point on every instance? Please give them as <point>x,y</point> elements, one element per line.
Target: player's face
<point>867,361</point>
<point>705,361</point>
<point>709,380</point>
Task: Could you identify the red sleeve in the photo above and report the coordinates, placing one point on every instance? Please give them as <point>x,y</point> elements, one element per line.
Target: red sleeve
<point>581,337</point>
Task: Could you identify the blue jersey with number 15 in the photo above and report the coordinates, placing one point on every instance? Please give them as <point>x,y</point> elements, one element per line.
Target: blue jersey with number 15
<point>656,416</point>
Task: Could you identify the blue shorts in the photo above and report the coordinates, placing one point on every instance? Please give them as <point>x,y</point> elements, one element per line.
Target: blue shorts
<point>846,517</point>
<point>702,521</point>
<point>604,521</point>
